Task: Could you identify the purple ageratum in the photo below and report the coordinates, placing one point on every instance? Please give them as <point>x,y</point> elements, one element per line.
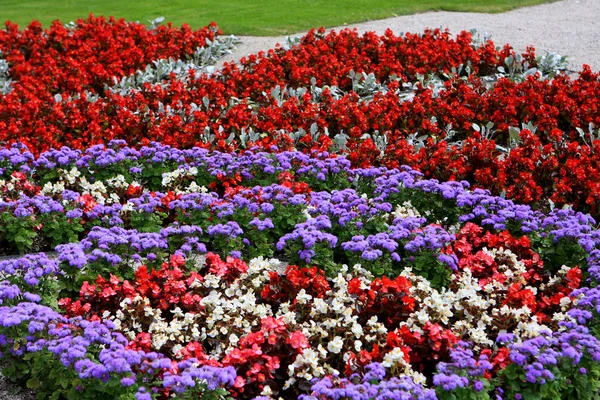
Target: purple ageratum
<point>8,291</point>
<point>26,206</point>
<point>231,229</point>
<point>190,234</point>
<point>62,158</point>
<point>72,254</point>
<point>372,385</point>
<point>115,245</point>
<point>107,238</point>
<point>464,369</point>
<point>262,225</point>
<point>194,201</point>
<point>372,247</point>
<point>213,377</point>
<point>564,349</point>
<point>309,233</point>
<point>31,268</point>
<point>15,158</point>
<point>432,237</point>
<point>493,211</point>
<point>96,351</point>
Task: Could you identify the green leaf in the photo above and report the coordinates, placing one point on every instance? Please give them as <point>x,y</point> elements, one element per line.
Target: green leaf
<point>33,383</point>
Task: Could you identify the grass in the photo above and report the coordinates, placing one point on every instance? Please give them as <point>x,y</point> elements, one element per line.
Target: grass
<point>243,17</point>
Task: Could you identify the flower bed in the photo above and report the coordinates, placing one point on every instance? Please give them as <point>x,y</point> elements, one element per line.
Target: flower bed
<point>457,109</point>
<point>204,274</point>
<point>302,259</point>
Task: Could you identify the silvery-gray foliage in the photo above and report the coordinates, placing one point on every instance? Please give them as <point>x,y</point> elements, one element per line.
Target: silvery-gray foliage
<point>5,81</point>
<point>592,133</point>
<point>551,63</point>
<point>366,85</point>
<point>517,69</point>
<point>70,25</point>
<point>291,41</point>
<point>486,131</point>
<point>202,62</point>
<point>548,65</point>
<point>478,39</point>
<point>156,22</point>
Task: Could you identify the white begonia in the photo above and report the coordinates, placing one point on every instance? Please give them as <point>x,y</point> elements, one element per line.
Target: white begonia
<point>118,182</point>
<point>479,336</point>
<point>71,175</point>
<point>322,351</point>
<point>319,306</point>
<point>177,348</point>
<point>335,346</point>
<point>564,303</point>
<point>212,281</point>
<point>168,177</point>
<point>306,214</point>
<point>422,316</point>
<point>213,333</point>
<point>302,297</point>
<point>531,329</point>
<point>357,329</point>
<point>405,210</point>
<point>266,391</point>
<point>396,356</point>
<point>50,188</point>
<point>363,275</point>
<point>127,207</point>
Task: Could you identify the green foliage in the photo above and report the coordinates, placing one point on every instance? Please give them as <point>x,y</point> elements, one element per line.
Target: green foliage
<point>426,264</point>
<point>18,232</point>
<point>59,229</point>
<point>151,176</point>
<point>565,251</point>
<point>50,379</point>
<point>322,258</point>
<point>432,206</point>
<point>332,182</point>
<point>568,383</point>
<point>464,393</point>
<point>146,222</point>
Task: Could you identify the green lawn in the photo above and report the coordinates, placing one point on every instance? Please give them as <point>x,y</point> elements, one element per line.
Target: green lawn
<point>243,17</point>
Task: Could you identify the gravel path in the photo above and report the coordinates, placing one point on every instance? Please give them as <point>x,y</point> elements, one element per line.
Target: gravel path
<point>569,27</point>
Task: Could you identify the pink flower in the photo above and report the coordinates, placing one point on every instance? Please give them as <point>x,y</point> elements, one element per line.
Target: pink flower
<point>297,340</point>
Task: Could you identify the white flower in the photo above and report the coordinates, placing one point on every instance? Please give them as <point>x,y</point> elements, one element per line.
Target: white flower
<point>302,297</point>
<point>357,330</point>
<point>564,303</point>
<point>478,335</point>
<point>335,346</point>
<point>393,357</point>
<point>266,391</point>
<point>405,210</point>
<point>177,348</point>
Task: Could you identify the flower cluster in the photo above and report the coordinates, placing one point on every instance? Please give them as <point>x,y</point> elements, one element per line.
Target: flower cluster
<point>422,100</point>
<point>383,269</point>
